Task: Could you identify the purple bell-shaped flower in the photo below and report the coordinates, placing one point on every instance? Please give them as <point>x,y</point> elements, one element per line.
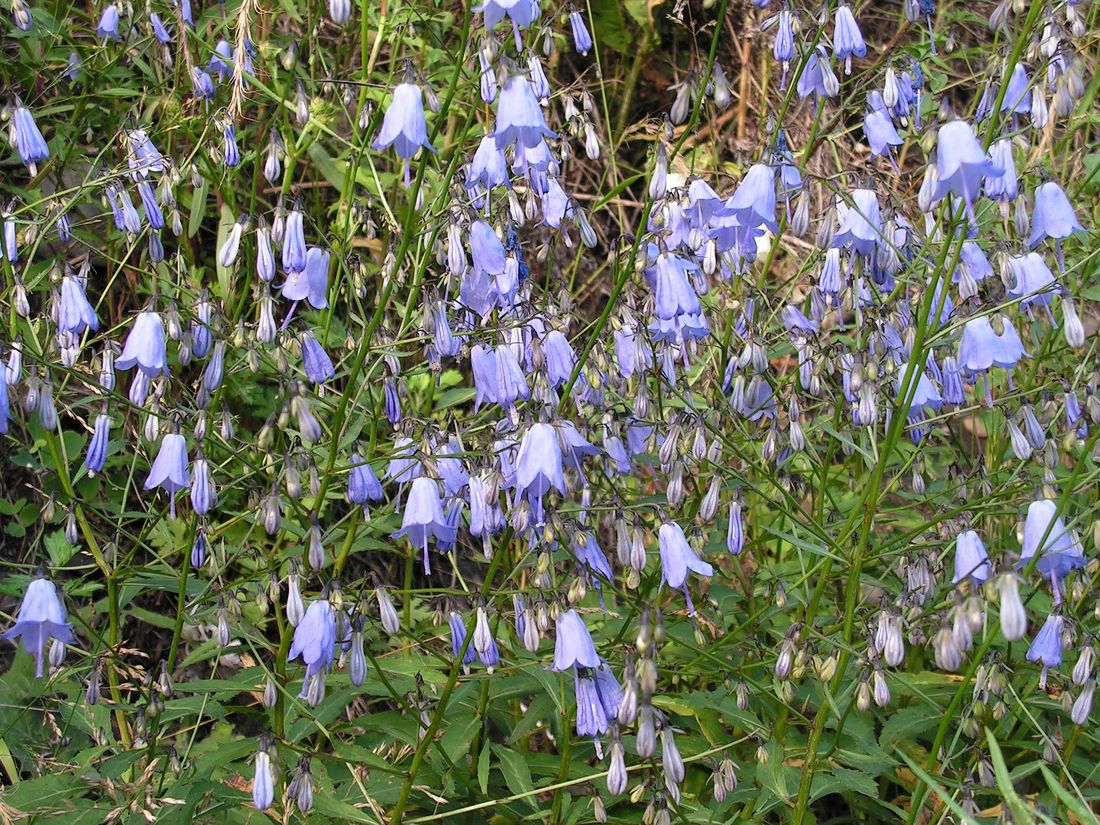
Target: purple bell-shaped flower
<point>170,468</point>
<point>41,617</point>
<point>404,126</point>
<point>678,558</point>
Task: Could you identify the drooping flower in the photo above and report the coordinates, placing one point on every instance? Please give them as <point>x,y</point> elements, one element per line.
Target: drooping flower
<point>363,484</point>
<point>1034,282</point>
<point>263,783</point>
<point>981,347</point>
<point>315,361</point>
<point>458,640</point>
<point>97,445</point>
<point>41,617</point>
<point>405,127</point>
<point>26,138</point>
<point>313,643</point>
<point>598,698</point>
<point>817,78</point>
<point>170,468</point>
<point>961,163</point>
<point>678,558</point>
<point>860,223</point>
<point>204,493</point>
<point>522,13</point>
<point>310,284</point>
<point>145,346</point>
<point>107,29</point>
<point>519,117</point>
<point>581,38</point>
<point>74,313</point>
<point>294,242</point>
<point>1053,217</point>
<point>847,38</point>
<point>971,558</point>
<point>573,645</point>
<point>539,466</point>
<point>879,130</point>
<point>423,518</point>
<point>1046,647</point>
<point>1059,550</point>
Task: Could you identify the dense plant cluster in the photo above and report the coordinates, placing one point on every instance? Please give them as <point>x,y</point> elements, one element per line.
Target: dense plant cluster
<point>402,424</point>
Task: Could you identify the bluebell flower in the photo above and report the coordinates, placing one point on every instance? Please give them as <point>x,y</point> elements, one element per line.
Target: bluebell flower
<point>488,85</point>
<point>783,45</point>
<point>483,365</point>
<point>404,126</point>
<point>961,163</point>
<point>581,38</point>
<point>878,129</point>
<point>511,384</point>
<point>458,640</point>
<point>294,241</point>
<point>540,86</point>
<point>1034,283</point>
<point>678,558</point>
<point>1046,647</point>
<point>363,484</point>
<point>860,224</point>
<point>446,343</point>
<point>160,31</point>
<point>847,38</point>
<point>64,228</point>
<point>339,11</point>
<point>170,468</point>
<point>5,404</point>
<point>953,392</point>
<point>573,645</point>
<point>484,643</point>
<point>925,395</point>
<point>488,169</point>
<point>145,346</point>
<point>263,782</point>
<point>153,214</point>
<point>204,493</point>
<point>232,154</point>
<point>598,698</point>
<point>753,202</point>
<point>311,284</point>
<point>73,66</point>
<point>559,356</point>
<point>981,347</point>
<point>1045,535</point>
<point>1017,97</point>
<point>735,532</point>
<point>522,13</point>
<point>74,313</point>
<point>539,466</point>
<point>1053,216</point>
<point>315,361</point>
<point>199,548</point>
<point>1002,187</point>
<point>97,445</point>
<point>519,117</point>
<point>221,61</point>
<point>817,78</point>
<point>26,138</point>
<point>971,558</point>
<point>591,559</point>
<point>314,641</point>
<point>108,24</point>
<point>202,84</point>
<point>41,617</point>
<point>423,518</point>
